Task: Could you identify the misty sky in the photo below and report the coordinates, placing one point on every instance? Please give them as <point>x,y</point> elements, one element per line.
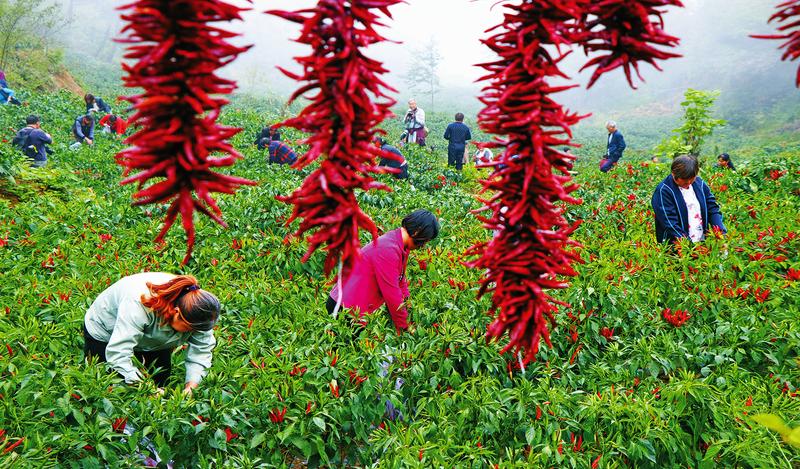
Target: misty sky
<point>717,53</point>
<point>455,25</point>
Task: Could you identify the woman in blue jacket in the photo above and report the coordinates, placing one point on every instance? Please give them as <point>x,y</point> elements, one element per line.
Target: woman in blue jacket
<point>683,204</point>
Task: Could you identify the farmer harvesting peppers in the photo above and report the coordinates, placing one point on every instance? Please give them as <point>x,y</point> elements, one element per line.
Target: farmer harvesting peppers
<point>147,316</point>
<point>379,275</point>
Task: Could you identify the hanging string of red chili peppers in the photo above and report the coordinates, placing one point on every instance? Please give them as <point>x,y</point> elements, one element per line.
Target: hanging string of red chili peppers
<point>630,31</point>
<point>531,250</point>
<point>350,101</point>
<point>789,15</point>
<point>176,53</point>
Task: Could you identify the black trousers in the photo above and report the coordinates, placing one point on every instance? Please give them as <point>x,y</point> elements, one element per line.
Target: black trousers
<point>330,305</point>
<point>455,157</point>
<point>160,360</point>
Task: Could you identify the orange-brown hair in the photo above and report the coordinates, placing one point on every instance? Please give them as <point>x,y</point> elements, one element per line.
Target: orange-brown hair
<point>198,307</point>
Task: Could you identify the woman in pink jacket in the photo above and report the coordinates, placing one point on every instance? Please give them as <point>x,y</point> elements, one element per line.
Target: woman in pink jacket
<point>379,276</point>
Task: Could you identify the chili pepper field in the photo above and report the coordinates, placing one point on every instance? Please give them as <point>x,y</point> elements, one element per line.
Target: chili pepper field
<point>660,361</point>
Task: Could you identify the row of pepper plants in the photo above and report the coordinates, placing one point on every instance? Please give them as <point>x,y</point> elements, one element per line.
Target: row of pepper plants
<point>661,359</point>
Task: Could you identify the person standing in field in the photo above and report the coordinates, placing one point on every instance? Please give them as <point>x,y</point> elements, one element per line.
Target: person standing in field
<point>379,275</point>
<point>684,206</point>
<point>147,316</point>
<point>33,141</point>
<point>457,135</point>
<point>614,147</point>
<point>414,123</point>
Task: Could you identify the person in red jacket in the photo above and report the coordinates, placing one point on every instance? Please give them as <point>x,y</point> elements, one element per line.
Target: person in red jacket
<point>379,275</point>
<point>115,124</point>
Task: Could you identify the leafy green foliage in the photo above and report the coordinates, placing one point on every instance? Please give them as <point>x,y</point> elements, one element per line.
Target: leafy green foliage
<point>697,124</point>
<point>27,52</point>
<point>620,384</point>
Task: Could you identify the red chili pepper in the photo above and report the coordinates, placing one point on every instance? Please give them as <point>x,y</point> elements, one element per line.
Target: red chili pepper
<point>119,424</point>
<point>276,416</point>
<point>677,319</point>
<point>174,50</point>
<point>341,119</point>
<point>788,13</point>
<point>630,31</point>
<point>13,445</point>
<point>229,435</point>
<point>532,246</point>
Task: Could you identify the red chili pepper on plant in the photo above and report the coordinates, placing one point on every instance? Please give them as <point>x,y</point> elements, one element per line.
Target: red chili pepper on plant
<point>174,50</point>
<point>11,447</point>
<point>678,318</point>
<point>276,416</point>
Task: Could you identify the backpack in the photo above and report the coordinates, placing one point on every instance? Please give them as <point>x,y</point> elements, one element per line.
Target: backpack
<point>22,141</point>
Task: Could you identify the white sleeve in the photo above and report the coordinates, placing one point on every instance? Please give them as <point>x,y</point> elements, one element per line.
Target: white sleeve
<point>198,355</point>
<point>129,328</point>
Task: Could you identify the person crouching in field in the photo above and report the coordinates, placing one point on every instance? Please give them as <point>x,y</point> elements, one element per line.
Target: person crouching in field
<point>281,153</point>
<point>379,275</point>
<point>684,205</point>
<point>267,134</point>
<point>724,161</point>
<point>113,124</point>
<point>83,130</point>
<point>401,165</point>
<point>147,316</point>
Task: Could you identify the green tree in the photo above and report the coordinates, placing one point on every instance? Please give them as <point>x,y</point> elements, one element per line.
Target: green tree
<point>423,73</point>
<point>698,123</point>
<point>27,46</point>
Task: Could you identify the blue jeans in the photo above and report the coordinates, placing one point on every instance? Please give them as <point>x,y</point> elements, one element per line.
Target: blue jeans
<point>609,163</point>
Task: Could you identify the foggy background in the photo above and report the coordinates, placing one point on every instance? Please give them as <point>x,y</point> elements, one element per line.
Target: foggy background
<point>718,54</point>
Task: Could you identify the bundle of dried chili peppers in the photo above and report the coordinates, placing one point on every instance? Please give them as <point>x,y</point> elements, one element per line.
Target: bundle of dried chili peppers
<point>530,188</point>
<point>175,52</point>
<point>629,31</point>
<point>789,15</point>
<point>349,102</point>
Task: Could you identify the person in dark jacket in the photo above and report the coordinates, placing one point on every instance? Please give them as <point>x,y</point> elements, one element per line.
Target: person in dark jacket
<point>6,93</point>
<point>267,135</point>
<point>95,104</point>
<point>281,153</point>
<point>614,147</point>
<point>724,161</point>
<point>457,135</point>
<point>33,141</point>
<point>83,129</point>
<point>401,164</point>
<point>683,204</point>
